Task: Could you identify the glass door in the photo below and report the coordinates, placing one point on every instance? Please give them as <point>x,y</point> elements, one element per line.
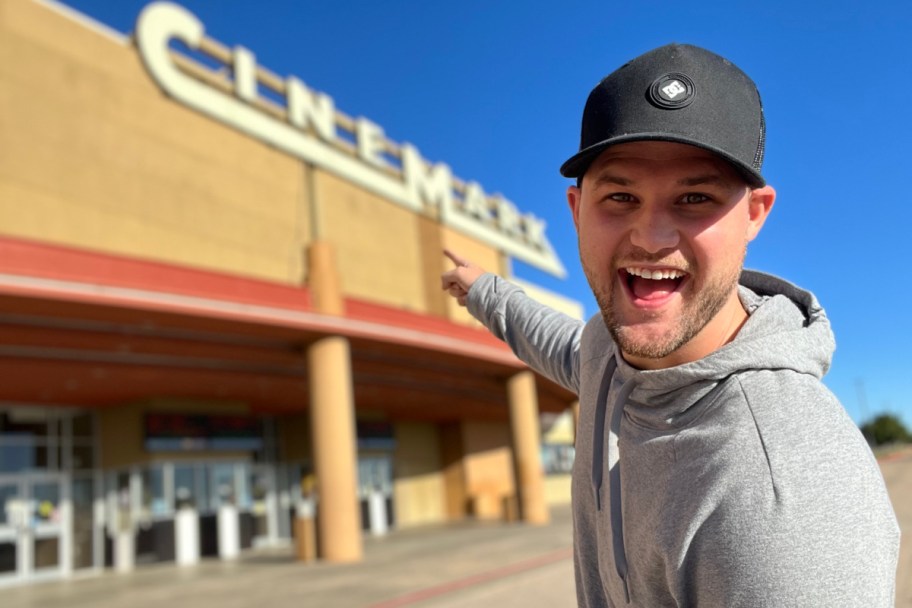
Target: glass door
<point>263,504</point>
<point>31,527</point>
<point>375,492</point>
<point>45,518</point>
<point>12,517</point>
<point>84,529</point>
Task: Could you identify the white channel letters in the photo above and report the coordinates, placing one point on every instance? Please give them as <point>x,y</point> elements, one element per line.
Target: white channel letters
<point>310,132</point>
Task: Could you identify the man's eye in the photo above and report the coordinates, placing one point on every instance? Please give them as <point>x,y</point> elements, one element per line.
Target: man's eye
<point>621,197</point>
<point>694,198</point>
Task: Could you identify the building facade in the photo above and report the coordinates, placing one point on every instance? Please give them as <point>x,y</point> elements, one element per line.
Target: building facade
<point>221,325</point>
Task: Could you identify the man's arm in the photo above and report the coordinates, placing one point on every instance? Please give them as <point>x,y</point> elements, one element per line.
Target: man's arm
<point>545,339</point>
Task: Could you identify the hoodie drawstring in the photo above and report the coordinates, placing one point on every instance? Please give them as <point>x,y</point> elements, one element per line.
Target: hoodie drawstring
<point>598,432</point>
<point>614,473</point>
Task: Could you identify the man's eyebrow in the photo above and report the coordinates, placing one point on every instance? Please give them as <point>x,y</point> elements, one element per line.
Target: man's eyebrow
<point>713,179</point>
<point>700,180</point>
<point>610,178</point>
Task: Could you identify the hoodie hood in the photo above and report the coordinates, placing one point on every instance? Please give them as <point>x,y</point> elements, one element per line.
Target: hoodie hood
<point>787,329</point>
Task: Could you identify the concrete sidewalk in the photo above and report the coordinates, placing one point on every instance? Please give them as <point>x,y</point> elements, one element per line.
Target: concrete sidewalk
<point>456,566</point>
<point>467,564</point>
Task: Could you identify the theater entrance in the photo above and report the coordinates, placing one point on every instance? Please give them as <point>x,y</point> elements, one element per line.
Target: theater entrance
<point>33,527</point>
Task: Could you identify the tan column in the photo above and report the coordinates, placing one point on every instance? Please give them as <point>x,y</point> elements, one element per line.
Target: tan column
<point>333,423</point>
<point>524,422</point>
<point>332,415</point>
<point>323,280</point>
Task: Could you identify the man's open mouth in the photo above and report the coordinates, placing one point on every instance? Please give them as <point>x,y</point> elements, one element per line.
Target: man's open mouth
<point>653,285</point>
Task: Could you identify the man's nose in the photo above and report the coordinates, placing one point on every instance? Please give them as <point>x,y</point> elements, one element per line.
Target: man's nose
<point>654,230</point>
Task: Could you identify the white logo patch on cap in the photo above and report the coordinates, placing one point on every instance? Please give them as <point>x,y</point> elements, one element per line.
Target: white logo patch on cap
<point>672,91</point>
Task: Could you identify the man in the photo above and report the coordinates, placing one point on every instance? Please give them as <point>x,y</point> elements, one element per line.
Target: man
<point>713,468</point>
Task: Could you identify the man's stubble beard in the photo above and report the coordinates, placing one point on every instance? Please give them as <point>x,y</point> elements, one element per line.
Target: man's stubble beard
<point>695,314</point>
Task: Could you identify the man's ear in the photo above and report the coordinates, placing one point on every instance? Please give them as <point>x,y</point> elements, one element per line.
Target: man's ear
<point>574,194</point>
<point>759,206</point>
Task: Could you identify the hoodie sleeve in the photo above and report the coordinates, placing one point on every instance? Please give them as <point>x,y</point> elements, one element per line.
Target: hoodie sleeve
<point>543,338</point>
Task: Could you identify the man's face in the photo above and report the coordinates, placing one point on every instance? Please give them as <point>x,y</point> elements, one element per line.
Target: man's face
<point>663,230</point>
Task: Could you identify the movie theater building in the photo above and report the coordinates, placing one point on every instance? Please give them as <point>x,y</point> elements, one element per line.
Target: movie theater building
<point>221,323</point>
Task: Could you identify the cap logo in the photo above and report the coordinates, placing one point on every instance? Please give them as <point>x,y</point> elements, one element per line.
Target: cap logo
<point>672,91</point>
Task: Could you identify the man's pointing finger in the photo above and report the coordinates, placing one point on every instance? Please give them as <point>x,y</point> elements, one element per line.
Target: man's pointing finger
<point>455,258</point>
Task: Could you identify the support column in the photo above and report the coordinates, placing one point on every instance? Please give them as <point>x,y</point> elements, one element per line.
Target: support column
<point>526,430</point>
<point>332,415</point>
<point>333,424</point>
<point>323,280</point>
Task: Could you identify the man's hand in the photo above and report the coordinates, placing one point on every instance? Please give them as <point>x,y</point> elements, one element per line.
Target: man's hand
<point>459,280</point>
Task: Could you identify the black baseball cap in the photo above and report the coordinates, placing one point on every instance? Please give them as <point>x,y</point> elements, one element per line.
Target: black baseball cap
<point>678,93</point>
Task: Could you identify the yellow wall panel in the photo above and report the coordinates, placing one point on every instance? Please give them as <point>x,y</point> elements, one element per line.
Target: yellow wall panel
<point>419,490</point>
<point>377,243</point>
<point>119,167</point>
<point>479,253</point>
<point>431,248</point>
<point>488,467</point>
<point>453,464</point>
<point>76,36</point>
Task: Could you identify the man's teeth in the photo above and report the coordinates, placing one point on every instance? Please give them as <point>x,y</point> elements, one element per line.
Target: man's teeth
<point>655,274</point>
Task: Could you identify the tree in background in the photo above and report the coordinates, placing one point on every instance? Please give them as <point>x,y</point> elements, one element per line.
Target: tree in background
<point>885,429</point>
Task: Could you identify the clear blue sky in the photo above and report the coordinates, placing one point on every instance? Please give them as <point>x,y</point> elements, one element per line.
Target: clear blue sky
<point>495,90</point>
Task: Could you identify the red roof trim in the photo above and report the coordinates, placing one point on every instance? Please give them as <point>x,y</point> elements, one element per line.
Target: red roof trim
<point>102,278</point>
<point>51,261</point>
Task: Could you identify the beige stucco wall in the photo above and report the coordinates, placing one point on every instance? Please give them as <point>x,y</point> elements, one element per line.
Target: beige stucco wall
<point>94,155</point>
<point>377,243</point>
<point>488,467</point>
<point>479,254</point>
<point>453,464</point>
<point>418,487</point>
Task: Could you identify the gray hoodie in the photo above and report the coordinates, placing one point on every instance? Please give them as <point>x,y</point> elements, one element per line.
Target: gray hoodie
<point>735,480</point>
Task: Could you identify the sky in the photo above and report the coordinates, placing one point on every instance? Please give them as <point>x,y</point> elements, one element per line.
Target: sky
<point>496,89</point>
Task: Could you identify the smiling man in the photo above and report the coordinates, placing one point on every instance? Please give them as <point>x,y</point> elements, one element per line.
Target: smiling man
<point>662,231</point>
<point>713,467</point>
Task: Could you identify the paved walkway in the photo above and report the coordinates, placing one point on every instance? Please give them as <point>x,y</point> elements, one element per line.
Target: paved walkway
<point>456,566</point>
<point>897,471</point>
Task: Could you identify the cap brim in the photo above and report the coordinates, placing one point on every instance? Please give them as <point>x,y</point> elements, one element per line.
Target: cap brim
<point>576,165</point>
